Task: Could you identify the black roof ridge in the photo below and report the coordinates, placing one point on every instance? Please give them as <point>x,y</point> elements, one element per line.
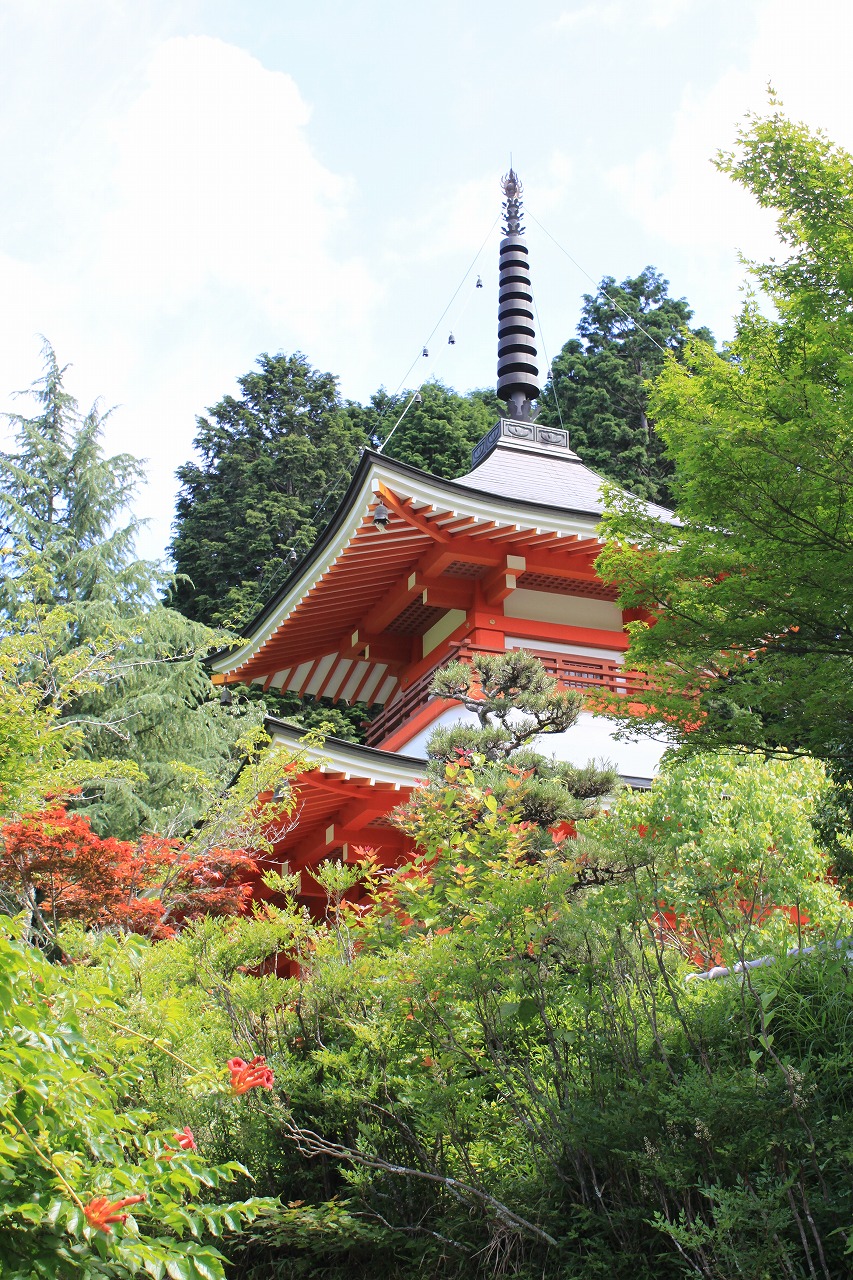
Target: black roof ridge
<point>360,748</point>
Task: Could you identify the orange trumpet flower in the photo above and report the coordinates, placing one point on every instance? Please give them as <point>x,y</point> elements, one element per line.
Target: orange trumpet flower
<point>101,1213</point>
<point>249,1075</point>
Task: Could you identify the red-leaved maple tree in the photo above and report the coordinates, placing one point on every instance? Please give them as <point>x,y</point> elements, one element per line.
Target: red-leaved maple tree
<point>54,865</point>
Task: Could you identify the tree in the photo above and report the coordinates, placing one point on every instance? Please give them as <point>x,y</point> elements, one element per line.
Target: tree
<point>598,384</point>
<point>55,868</point>
<point>439,429</point>
<point>41,674</point>
<point>273,464</point>
<point>64,503</point>
<point>516,702</point>
<point>752,642</point>
<point>85,634</point>
<point>59,870</point>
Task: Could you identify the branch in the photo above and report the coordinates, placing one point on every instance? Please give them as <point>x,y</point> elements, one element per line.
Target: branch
<point>311,1144</point>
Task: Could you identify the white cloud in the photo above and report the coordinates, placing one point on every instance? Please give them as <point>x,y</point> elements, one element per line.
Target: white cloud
<point>217,187</point>
<point>197,228</point>
<point>652,13</point>
<point>663,13</point>
<point>589,15</point>
<point>674,190</point>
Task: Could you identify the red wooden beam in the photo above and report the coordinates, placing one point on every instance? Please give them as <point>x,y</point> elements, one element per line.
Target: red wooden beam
<point>449,594</point>
<point>377,648</point>
<point>304,683</point>
<point>416,519</point>
<point>370,670</point>
<point>395,600</point>
<point>565,634</point>
<point>497,586</point>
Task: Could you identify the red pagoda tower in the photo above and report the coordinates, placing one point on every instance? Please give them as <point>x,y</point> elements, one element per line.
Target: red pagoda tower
<point>414,572</point>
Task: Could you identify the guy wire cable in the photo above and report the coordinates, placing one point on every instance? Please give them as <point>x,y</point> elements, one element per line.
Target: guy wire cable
<point>443,314</point>
<point>454,325</point>
<point>598,287</point>
<point>414,397</point>
<point>424,346</point>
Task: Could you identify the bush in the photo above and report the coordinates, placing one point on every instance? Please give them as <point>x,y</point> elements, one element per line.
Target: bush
<point>492,1062</point>
<point>78,1153</point>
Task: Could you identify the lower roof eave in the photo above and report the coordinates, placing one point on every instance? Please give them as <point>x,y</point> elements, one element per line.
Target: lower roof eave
<point>358,760</point>
<point>351,758</point>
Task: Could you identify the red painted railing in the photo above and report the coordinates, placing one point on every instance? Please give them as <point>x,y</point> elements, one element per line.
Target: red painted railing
<point>396,714</point>
<point>572,671</point>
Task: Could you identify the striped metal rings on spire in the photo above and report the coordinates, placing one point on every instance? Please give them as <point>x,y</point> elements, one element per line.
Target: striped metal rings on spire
<point>518,375</point>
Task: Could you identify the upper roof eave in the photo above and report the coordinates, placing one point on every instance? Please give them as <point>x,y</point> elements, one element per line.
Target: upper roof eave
<point>373,468</point>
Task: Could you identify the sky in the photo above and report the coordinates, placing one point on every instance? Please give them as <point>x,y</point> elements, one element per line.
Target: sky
<point>189,183</point>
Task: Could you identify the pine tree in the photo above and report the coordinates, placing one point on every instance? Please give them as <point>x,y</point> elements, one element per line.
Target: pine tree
<point>273,465</point>
<point>69,556</point>
<point>517,703</point>
<point>598,389</point>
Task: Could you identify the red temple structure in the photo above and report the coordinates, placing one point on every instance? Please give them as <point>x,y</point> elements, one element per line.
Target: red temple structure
<point>415,571</point>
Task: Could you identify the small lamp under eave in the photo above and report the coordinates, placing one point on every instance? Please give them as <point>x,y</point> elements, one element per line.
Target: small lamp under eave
<point>226,697</point>
<point>381,516</point>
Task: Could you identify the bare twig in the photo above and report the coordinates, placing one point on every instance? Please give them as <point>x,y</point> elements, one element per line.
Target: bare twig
<point>311,1144</point>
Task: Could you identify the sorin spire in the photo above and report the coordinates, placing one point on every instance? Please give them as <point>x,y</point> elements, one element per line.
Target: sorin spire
<point>518,376</point>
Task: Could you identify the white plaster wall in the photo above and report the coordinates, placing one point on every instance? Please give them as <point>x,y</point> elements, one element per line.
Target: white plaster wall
<point>575,611</point>
<point>554,646</point>
<point>590,739</point>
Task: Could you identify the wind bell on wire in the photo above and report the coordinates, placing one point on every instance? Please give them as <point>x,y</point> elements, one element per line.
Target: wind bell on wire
<point>425,353</point>
<point>451,340</point>
<point>479,283</point>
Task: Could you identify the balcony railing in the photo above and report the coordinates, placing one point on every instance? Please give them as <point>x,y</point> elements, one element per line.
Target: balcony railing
<point>572,671</point>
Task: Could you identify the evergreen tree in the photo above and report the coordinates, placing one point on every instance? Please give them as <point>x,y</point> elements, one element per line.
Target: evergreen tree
<point>64,503</point>
<point>598,386</point>
<point>516,703</point>
<point>273,464</point>
<point>71,576</point>
<point>439,430</point>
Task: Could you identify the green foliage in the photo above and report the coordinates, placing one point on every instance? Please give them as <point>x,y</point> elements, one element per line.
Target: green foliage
<point>439,430</point>
<point>42,672</point>
<point>516,701</point>
<point>68,1137</point>
<point>87,647</point>
<point>730,839</point>
<point>62,502</point>
<point>498,1066</point>
<point>273,466</point>
<point>316,715</point>
<point>752,644</point>
<point>599,382</point>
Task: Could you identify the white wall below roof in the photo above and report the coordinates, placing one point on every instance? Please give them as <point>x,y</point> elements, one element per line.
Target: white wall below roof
<point>551,606</point>
<point>554,646</point>
<point>590,739</point>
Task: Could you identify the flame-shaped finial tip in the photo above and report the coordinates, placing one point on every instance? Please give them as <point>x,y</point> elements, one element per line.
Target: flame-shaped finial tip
<point>511,186</point>
<point>512,190</point>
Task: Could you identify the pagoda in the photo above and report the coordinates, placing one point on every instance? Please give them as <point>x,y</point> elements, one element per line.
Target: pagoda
<point>414,572</point>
